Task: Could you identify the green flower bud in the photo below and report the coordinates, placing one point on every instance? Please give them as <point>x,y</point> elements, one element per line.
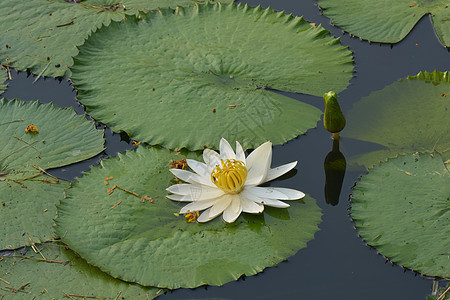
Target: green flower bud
<point>333,119</point>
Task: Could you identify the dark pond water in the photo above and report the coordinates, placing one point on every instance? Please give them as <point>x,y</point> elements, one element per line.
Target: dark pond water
<point>336,264</point>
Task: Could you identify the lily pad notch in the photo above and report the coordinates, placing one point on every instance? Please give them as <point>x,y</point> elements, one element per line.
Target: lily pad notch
<point>218,85</point>
<point>380,21</point>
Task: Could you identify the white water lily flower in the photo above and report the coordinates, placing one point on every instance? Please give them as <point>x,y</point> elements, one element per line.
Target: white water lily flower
<point>227,183</point>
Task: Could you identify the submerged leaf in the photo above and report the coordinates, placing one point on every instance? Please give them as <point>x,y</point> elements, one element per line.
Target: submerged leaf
<point>406,116</point>
<point>149,244</point>
<point>387,22</point>
<point>188,77</point>
<point>43,35</point>
<point>62,274</point>
<point>401,209</point>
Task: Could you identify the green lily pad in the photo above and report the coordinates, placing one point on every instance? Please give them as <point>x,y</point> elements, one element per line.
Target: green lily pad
<point>380,21</point>
<point>42,35</point>
<point>407,116</point>
<point>188,77</point>
<point>28,207</point>
<point>144,242</point>
<point>63,138</point>
<point>29,196</point>
<point>401,209</point>
<point>64,275</point>
<point>3,78</point>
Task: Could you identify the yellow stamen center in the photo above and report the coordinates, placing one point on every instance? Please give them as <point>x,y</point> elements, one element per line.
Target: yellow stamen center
<point>192,216</point>
<point>231,177</point>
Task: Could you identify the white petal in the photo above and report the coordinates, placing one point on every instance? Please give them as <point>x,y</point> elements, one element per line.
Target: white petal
<point>192,192</point>
<point>205,216</point>
<point>175,197</point>
<point>275,203</point>
<point>266,192</point>
<point>211,157</point>
<point>232,212</point>
<point>199,167</point>
<point>252,157</point>
<point>278,171</point>
<point>240,154</point>
<point>220,205</point>
<point>250,206</point>
<point>226,152</point>
<point>290,193</point>
<point>192,177</point>
<point>265,201</point>
<point>197,206</point>
<point>180,189</point>
<point>258,163</point>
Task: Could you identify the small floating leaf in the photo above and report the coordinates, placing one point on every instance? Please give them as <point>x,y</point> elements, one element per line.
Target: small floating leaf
<point>406,217</point>
<point>42,35</point>
<point>64,137</point>
<point>378,21</point>
<point>62,274</point>
<point>144,242</point>
<point>406,116</point>
<point>202,73</point>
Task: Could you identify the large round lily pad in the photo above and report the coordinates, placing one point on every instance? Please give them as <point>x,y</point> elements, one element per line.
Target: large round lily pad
<point>63,137</point>
<point>402,209</point>
<point>190,76</point>
<point>406,116</point>
<point>42,35</point>
<point>139,241</point>
<point>28,196</point>
<point>63,275</point>
<point>387,22</point>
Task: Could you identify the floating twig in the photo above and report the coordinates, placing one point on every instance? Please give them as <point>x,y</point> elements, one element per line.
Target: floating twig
<point>45,172</point>
<point>66,24</point>
<point>13,121</point>
<point>442,296</point>
<point>44,260</point>
<point>127,191</point>
<point>19,139</point>
<point>81,296</point>
<point>8,70</point>
<point>42,72</point>
<point>143,198</point>
<point>1,279</point>
<point>15,151</point>
<point>120,201</point>
<point>118,295</point>
<point>107,178</point>
<point>35,249</point>
<point>14,290</point>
